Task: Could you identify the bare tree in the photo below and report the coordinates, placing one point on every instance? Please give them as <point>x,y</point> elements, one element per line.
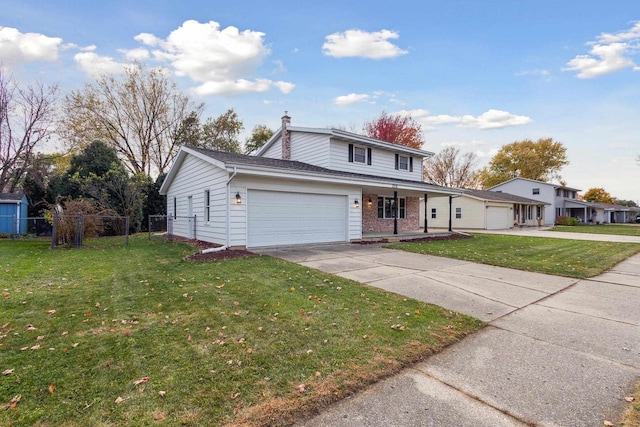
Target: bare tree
<point>139,115</point>
<point>26,122</point>
<point>449,169</point>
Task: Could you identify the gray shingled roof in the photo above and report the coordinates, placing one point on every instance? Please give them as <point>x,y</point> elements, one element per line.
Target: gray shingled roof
<point>290,165</point>
<point>13,197</point>
<point>502,197</point>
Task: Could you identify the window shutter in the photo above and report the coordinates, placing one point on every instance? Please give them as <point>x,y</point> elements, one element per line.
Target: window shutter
<point>397,161</point>
<point>410,164</point>
<point>369,156</point>
<point>351,153</point>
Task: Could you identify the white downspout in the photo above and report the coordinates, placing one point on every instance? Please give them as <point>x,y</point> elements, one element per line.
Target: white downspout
<point>233,175</point>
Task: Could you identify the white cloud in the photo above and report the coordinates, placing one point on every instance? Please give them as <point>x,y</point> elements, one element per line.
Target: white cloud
<point>17,48</point>
<point>139,54</point>
<point>219,59</point>
<point>608,54</point>
<point>352,98</point>
<point>96,65</point>
<point>491,119</point>
<point>362,44</point>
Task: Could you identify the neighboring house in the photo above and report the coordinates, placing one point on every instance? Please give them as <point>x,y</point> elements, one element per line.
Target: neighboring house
<point>484,210</point>
<point>559,199</point>
<point>305,185</point>
<point>13,213</point>
<point>608,213</point>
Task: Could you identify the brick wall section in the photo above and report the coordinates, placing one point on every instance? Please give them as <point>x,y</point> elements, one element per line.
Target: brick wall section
<point>286,137</point>
<point>372,224</point>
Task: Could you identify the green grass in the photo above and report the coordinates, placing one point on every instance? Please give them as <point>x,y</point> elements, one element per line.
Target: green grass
<point>620,230</point>
<point>561,257</point>
<point>227,342</point>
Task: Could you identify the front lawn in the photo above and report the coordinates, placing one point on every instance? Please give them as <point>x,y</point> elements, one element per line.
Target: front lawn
<point>619,229</point>
<point>561,257</point>
<point>136,335</point>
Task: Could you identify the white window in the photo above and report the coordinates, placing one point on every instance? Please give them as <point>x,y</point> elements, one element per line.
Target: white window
<point>458,213</point>
<point>207,207</point>
<point>536,191</point>
<point>403,163</point>
<point>433,213</point>
<point>386,208</point>
<point>359,155</point>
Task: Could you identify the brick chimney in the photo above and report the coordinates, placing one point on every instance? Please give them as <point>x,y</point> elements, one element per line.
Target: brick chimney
<point>286,137</point>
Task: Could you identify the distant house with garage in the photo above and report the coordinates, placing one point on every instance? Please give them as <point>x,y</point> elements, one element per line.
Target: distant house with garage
<point>559,200</point>
<point>305,185</point>
<point>13,213</point>
<point>485,210</point>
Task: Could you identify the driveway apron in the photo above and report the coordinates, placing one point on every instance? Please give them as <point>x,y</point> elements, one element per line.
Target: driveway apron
<point>556,352</point>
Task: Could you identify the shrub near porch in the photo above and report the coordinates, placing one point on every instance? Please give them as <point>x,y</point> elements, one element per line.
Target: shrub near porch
<point>137,336</point>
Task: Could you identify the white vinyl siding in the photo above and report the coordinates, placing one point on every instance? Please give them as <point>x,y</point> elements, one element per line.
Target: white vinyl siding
<point>468,213</point>
<point>192,179</point>
<point>275,150</point>
<point>383,162</point>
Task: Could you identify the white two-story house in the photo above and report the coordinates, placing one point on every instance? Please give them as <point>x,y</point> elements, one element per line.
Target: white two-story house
<point>560,200</point>
<point>305,185</point>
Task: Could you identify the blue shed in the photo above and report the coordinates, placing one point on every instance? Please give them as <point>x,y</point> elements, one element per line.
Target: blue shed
<point>13,213</point>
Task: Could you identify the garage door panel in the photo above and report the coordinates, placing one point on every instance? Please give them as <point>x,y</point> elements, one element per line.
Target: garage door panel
<point>497,218</point>
<point>283,218</point>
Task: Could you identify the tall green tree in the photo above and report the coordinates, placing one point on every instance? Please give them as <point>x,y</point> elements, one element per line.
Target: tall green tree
<point>138,115</point>
<point>541,160</point>
<point>259,136</point>
<point>222,133</point>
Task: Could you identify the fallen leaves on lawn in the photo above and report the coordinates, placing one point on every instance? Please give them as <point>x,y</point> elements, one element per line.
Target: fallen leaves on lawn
<point>397,327</point>
<point>141,380</point>
<point>628,398</point>
<point>14,402</point>
<point>51,312</point>
<point>118,400</point>
<point>7,372</point>
<point>51,388</point>
<point>30,327</point>
<point>162,393</point>
<point>301,388</point>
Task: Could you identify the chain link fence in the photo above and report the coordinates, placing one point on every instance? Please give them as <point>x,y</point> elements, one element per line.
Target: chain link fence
<point>73,230</point>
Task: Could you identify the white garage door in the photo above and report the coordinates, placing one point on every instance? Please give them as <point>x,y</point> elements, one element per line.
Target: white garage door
<point>282,218</point>
<point>498,218</point>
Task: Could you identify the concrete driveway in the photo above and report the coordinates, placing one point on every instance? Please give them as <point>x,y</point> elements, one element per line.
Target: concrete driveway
<point>556,351</point>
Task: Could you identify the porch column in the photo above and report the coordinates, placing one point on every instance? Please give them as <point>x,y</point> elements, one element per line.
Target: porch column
<point>395,212</point>
<point>425,212</point>
<point>585,215</point>
<point>450,204</point>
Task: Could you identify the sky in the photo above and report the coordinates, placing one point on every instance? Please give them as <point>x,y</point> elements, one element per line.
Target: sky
<point>475,74</point>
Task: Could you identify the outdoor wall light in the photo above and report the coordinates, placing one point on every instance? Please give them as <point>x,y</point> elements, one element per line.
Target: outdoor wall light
<point>356,204</point>
<point>238,198</point>
<point>370,202</point>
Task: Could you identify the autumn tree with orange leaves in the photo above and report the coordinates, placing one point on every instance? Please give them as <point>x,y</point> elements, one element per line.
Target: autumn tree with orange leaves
<point>397,129</point>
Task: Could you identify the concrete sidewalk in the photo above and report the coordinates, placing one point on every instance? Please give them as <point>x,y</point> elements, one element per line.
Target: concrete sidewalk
<point>556,351</point>
<point>547,232</point>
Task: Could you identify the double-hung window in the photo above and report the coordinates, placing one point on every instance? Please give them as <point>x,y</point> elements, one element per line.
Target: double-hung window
<point>536,191</point>
<point>387,208</point>
<point>433,213</point>
<point>458,213</point>
<point>359,155</point>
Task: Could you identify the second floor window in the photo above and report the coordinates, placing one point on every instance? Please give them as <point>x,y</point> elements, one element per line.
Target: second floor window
<point>536,191</point>
<point>404,163</point>
<point>359,155</point>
